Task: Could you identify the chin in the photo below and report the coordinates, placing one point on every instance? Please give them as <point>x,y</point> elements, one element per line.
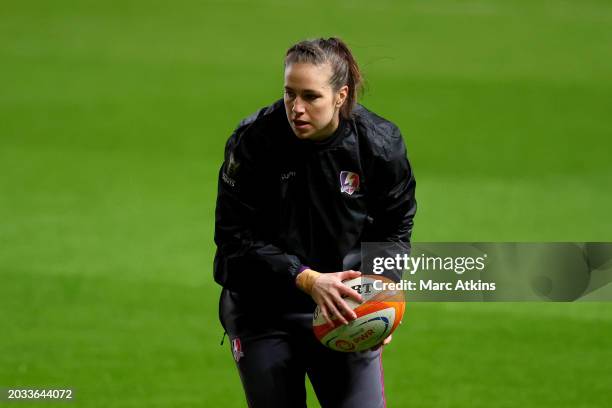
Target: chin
<point>302,135</point>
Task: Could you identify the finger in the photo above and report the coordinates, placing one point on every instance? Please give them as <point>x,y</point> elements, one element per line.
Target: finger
<point>325,314</point>
<point>349,274</point>
<point>346,309</point>
<point>346,291</point>
<point>334,311</point>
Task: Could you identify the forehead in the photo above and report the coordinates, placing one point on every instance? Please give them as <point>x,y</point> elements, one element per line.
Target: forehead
<point>308,76</point>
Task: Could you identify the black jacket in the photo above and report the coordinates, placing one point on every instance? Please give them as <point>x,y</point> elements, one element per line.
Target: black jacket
<point>284,202</point>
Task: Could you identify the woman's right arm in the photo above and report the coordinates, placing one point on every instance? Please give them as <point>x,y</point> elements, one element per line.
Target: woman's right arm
<point>245,260</point>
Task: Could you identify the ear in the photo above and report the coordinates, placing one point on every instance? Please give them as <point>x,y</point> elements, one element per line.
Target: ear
<point>341,95</point>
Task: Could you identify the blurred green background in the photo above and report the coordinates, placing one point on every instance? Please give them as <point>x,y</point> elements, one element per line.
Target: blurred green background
<point>113,118</point>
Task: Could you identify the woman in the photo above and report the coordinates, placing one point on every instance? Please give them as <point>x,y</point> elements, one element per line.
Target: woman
<point>300,189</point>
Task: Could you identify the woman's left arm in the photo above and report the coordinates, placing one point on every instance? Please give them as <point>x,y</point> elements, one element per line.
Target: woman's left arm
<point>393,203</point>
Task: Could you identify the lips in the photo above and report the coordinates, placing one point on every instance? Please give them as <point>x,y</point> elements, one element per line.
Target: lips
<point>301,125</point>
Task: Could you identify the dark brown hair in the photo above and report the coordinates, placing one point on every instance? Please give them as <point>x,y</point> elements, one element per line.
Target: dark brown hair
<point>344,67</point>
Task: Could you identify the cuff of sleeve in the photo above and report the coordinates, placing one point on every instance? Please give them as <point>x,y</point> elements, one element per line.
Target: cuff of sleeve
<point>294,267</point>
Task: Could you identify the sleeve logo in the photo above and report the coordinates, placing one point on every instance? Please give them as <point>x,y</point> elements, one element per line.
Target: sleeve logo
<point>230,170</point>
<point>237,349</point>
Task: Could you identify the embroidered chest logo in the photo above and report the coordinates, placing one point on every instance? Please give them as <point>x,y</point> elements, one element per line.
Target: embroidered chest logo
<point>349,182</point>
<point>286,176</point>
<point>237,349</point>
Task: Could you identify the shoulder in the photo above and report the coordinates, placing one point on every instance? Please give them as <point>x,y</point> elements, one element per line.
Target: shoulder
<point>385,160</point>
<point>380,136</point>
<point>256,132</point>
<point>268,117</point>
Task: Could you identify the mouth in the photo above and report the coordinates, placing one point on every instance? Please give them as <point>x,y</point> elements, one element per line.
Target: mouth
<point>300,124</point>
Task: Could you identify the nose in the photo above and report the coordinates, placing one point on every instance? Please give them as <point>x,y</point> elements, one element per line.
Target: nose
<point>298,106</point>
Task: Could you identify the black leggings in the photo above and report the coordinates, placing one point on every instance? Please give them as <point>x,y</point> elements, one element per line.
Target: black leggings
<point>273,368</point>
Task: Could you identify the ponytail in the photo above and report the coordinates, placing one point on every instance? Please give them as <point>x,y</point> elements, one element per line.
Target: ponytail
<point>345,70</point>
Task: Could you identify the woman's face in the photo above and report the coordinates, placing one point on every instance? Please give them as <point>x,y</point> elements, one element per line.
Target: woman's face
<point>312,106</point>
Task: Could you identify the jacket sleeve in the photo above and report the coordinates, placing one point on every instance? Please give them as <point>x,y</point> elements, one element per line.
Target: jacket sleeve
<point>393,204</point>
<point>246,259</point>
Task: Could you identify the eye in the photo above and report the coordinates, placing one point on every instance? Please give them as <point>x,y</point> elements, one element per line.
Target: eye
<point>311,97</point>
<point>289,94</point>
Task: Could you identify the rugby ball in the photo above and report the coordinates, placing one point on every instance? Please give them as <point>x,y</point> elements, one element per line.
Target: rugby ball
<point>377,317</point>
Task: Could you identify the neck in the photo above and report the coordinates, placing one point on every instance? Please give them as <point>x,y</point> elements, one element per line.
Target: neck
<point>329,129</point>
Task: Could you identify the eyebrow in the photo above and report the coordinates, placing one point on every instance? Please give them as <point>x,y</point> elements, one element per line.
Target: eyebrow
<point>305,90</point>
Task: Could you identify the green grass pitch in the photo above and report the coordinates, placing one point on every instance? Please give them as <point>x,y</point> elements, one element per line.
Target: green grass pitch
<point>113,117</point>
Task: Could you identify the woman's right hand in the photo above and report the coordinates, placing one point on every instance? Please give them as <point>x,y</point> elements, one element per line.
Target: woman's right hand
<point>327,290</point>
